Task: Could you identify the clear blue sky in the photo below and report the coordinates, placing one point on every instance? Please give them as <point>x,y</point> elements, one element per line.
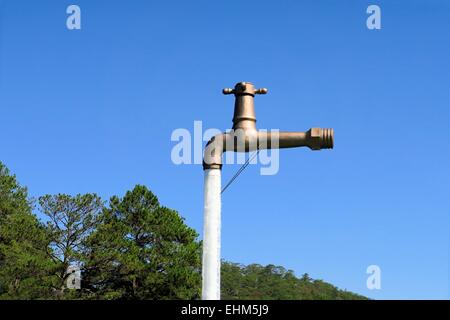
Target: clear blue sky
<point>93,111</point>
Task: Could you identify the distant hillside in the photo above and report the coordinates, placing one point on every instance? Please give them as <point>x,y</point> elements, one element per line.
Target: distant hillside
<point>256,282</point>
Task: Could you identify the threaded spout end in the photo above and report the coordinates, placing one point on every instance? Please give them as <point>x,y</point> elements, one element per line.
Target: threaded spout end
<point>320,138</point>
<point>327,138</point>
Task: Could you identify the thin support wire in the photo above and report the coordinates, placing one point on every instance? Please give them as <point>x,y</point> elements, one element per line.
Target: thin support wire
<point>242,168</point>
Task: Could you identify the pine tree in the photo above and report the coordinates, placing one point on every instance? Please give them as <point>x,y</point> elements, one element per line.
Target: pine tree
<point>142,250</point>
<point>71,219</point>
<point>25,267</point>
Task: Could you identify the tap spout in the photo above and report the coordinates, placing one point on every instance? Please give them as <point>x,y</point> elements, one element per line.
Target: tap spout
<point>240,140</point>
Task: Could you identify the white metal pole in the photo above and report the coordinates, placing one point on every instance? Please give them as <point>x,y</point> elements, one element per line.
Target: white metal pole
<point>211,235</point>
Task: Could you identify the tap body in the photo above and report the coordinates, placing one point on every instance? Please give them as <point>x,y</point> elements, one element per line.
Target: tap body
<point>244,137</point>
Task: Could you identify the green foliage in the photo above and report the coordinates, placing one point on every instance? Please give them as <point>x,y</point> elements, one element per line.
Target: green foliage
<point>25,270</point>
<point>142,251</point>
<point>71,220</point>
<point>134,248</point>
<point>256,282</point>
<point>13,197</point>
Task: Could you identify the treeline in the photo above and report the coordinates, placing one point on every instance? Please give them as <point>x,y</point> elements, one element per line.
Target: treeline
<point>256,282</point>
<point>130,247</point>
